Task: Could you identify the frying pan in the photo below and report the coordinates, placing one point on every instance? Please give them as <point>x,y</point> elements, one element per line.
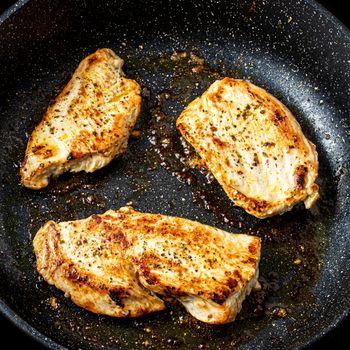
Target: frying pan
<point>296,50</point>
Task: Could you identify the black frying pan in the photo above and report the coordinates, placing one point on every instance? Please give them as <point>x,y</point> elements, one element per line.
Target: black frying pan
<point>294,49</point>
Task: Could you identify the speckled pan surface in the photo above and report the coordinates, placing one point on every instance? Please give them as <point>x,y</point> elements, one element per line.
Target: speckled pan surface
<point>295,50</point>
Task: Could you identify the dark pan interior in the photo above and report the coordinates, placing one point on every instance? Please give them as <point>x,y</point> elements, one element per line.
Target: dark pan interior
<point>293,49</point>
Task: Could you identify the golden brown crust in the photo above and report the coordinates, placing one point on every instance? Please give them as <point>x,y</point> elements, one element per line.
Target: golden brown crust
<point>87,125</point>
<point>253,146</point>
<point>146,253</point>
<point>93,284</point>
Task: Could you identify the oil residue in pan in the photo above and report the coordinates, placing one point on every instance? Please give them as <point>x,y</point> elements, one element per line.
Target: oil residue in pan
<point>156,161</point>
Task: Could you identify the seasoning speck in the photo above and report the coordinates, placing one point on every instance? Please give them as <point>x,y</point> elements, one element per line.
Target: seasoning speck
<point>53,303</point>
<point>280,312</point>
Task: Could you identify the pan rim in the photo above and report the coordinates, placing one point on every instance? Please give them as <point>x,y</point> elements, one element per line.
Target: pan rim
<point>28,329</point>
<point>319,7</point>
<point>33,333</point>
<point>11,10</point>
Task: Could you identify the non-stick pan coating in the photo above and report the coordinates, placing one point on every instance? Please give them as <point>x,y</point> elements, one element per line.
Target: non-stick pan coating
<point>293,49</point>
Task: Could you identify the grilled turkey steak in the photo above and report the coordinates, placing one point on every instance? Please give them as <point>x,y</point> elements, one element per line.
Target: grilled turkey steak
<point>253,146</point>
<point>122,263</point>
<point>88,124</point>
